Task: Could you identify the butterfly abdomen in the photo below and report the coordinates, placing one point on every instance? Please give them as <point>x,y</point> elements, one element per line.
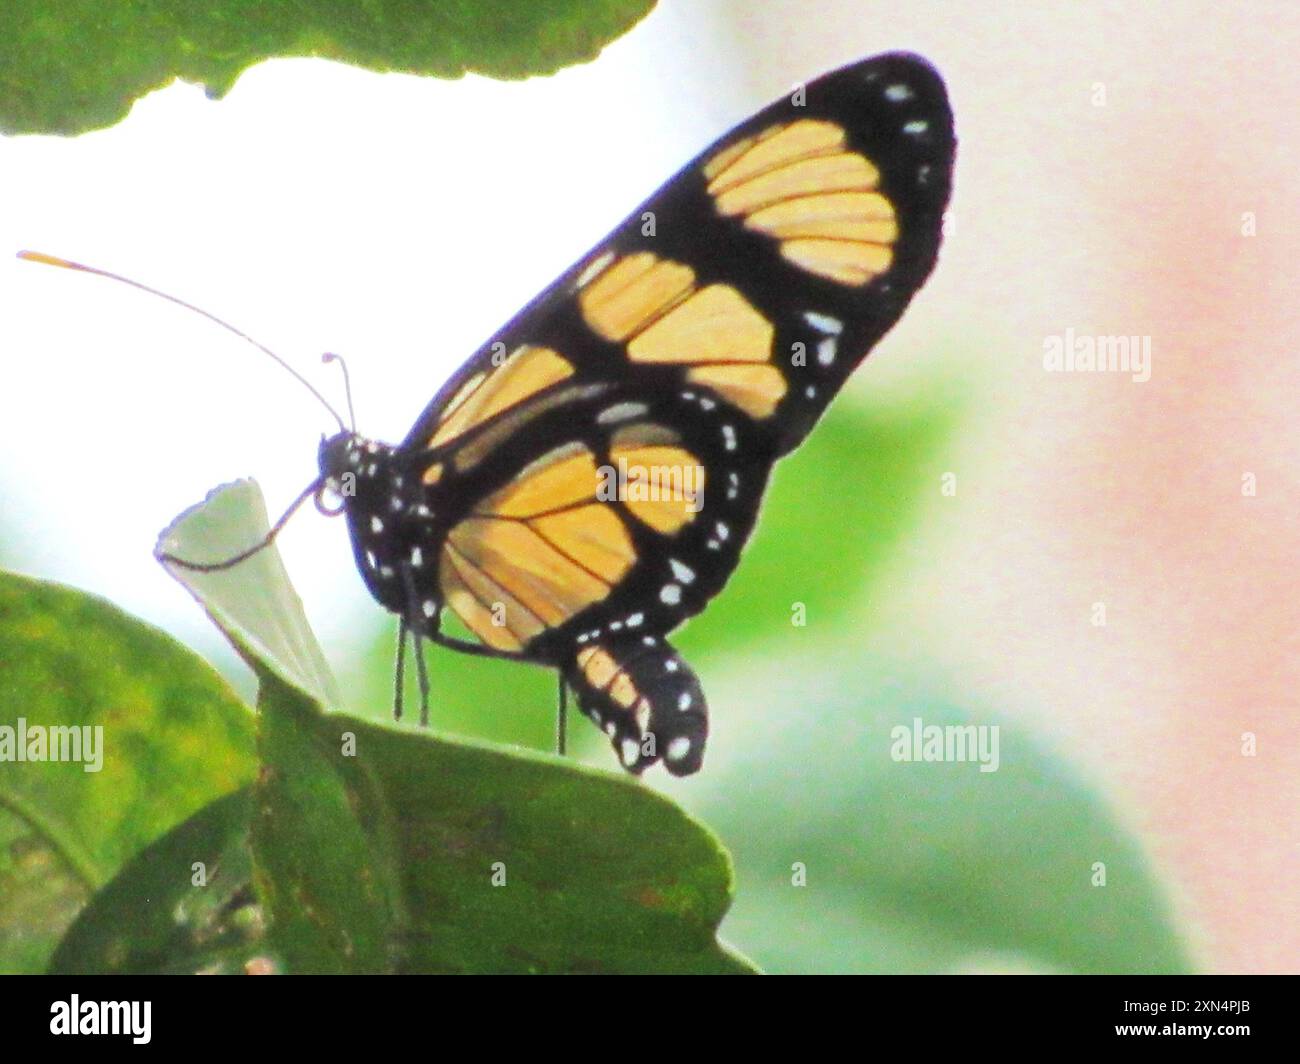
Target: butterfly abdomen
<point>643,696</point>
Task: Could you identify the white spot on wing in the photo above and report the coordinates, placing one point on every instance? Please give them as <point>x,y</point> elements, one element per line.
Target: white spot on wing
<point>824,323</point>
<point>678,748</point>
<point>594,268</point>
<point>621,412</point>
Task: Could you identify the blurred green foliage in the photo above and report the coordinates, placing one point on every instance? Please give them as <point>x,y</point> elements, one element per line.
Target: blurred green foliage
<point>415,854</point>
<point>80,64</point>
<point>155,917</point>
<point>916,867</point>
<point>365,848</point>
<point>174,738</point>
<point>901,867</point>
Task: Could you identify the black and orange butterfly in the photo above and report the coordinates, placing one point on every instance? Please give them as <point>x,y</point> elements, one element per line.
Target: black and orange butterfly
<point>587,480</point>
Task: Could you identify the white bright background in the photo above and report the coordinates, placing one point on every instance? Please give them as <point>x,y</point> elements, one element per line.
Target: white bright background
<point>394,219</point>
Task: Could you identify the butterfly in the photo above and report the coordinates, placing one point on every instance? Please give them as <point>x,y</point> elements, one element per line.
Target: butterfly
<point>587,479</point>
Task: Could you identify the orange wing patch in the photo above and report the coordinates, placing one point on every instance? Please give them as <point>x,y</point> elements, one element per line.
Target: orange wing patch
<point>728,342</point>
<point>624,298</point>
<point>664,482</point>
<point>798,184</point>
<point>536,552</point>
<point>653,304</point>
<point>488,610</point>
<point>561,478</point>
<point>755,389</point>
<point>527,371</point>
<point>716,324</point>
<point>603,673</point>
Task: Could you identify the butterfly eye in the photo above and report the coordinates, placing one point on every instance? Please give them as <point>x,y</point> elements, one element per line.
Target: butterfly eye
<point>337,504</point>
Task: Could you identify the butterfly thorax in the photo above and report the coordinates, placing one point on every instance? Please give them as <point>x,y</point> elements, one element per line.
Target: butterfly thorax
<point>388,515</point>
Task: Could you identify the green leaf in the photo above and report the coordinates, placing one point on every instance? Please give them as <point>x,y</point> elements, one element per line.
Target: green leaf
<point>183,905</point>
<point>376,848</point>
<point>80,64</point>
<point>418,854</point>
<point>171,734</point>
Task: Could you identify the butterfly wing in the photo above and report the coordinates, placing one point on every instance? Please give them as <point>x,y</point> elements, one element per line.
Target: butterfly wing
<point>767,268</point>
<point>592,472</point>
<point>601,509</point>
<point>578,525</point>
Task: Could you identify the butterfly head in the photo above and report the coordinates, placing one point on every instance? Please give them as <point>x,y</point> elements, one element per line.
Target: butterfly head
<point>342,459</point>
<point>357,471</point>
<point>382,508</point>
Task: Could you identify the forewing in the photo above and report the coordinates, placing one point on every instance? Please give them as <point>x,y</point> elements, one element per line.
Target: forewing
<point>764,271</point>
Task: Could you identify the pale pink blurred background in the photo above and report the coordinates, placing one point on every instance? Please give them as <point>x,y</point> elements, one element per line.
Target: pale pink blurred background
<point>1124,218</point>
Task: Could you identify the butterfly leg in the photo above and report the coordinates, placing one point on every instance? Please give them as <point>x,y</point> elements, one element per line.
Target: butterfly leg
<point>466,647</point>
<point>422,677</point>
<point>411,623</point>
<point>399,671</point>
<point>562,718</point>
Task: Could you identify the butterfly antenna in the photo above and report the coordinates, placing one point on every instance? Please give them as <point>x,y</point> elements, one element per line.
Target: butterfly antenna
<point>314,488</point>
<point>330,356</point>
<point>52,260</point>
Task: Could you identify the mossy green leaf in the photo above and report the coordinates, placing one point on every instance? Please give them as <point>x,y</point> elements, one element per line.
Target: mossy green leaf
<point>80,64</point>
<point>146,735</point>
<point>183,905</point>
<point>379,848</point>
